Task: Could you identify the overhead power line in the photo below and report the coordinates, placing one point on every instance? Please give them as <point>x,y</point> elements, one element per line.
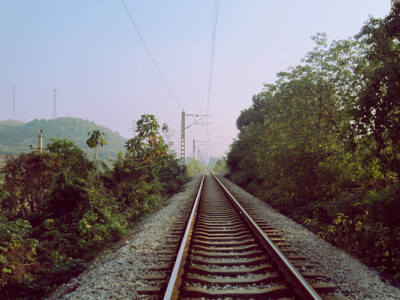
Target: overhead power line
<point>213,37</point>
<point>151,56</point>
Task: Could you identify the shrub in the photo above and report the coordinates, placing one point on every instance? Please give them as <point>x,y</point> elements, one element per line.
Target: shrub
<point>17,250</point>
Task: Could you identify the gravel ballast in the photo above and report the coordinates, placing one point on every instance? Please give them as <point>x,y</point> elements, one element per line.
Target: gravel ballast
<point>118,274</point>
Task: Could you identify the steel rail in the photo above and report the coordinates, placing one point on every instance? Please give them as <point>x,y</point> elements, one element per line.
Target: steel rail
<point>172,291</point>
<point>300,284</point>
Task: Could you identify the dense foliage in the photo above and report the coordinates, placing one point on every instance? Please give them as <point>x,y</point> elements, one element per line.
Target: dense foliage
<point>58,211</point>
<point>15,137</point>
<point>220,166</point>
<point>322,143</point>
<point>195,167</point>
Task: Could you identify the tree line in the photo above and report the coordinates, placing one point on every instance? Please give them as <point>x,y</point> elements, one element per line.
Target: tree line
<point>59,211</point>
<point>322,143</point>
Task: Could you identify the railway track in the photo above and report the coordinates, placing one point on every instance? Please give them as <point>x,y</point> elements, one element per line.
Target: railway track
<point>221,251</point>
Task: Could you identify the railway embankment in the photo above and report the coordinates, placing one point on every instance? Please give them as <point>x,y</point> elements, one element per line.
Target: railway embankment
<point>121,273</point>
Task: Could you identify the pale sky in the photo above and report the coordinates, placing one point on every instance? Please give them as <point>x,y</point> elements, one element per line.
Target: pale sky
<point>90,52</point>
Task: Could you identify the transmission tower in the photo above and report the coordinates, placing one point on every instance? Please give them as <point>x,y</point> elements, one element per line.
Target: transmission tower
<point>55,104</point>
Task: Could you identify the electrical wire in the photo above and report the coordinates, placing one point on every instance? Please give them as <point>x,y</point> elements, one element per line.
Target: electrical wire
<point>151,57</point>
<point>210,75</point>
<point>213,34</point>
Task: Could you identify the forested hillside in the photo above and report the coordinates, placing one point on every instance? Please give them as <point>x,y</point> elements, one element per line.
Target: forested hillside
<point>322,143</point>
<point>15,137</point>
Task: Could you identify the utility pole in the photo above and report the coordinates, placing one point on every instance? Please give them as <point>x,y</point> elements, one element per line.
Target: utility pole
<point>13,102</point>
<point>55,104</point>
<point>40,144</point>
<point>183,138</point>
<point>194,157</point>
<point>194,149</point>
<point>183,129</point>
<point>40,136</point>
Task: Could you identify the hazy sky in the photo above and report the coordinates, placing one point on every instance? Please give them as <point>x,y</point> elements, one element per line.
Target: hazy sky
<point>90,52</point>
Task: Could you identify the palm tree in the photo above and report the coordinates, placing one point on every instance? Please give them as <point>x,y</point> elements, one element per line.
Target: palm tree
<point>96,139</point>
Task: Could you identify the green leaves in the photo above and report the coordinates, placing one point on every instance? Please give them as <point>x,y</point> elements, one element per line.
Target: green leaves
<point>96,139</point>
<point>322,143</point>
<point>378,105</point>
<point>75,216</point>
<point>28,181</point>
<point>74,160</point>
<point>16,249</point>
<point>147,151</point>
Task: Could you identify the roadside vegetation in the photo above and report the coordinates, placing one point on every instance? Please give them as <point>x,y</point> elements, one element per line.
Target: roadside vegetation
<point>195,167</point>
<point>58,211</point>
<point>221,167</point>
<point>322,143</point>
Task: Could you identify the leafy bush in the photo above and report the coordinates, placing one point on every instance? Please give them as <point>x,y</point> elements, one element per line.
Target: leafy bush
<point>58,215</point>
<point>17,250</point>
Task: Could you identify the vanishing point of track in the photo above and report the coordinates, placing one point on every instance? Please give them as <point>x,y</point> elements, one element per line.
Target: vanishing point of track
<point>221,251</point>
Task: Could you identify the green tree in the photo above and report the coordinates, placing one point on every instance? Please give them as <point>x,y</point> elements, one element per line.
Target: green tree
<point>378,110</point>
<point>221,167</point>
<point>148,151</point>
<point>28,181</point>
<point>296,125</point>
<point>171,176</point>
<point>321,144</point>
<point>74,160</point>
<point>194,167</point>
<point>95,140</point>
<point>135,180</point>
<point>17,250</point>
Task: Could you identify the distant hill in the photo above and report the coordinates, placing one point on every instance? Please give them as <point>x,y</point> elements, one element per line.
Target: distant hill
<point>15,137</point>
<point>11,123</point>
